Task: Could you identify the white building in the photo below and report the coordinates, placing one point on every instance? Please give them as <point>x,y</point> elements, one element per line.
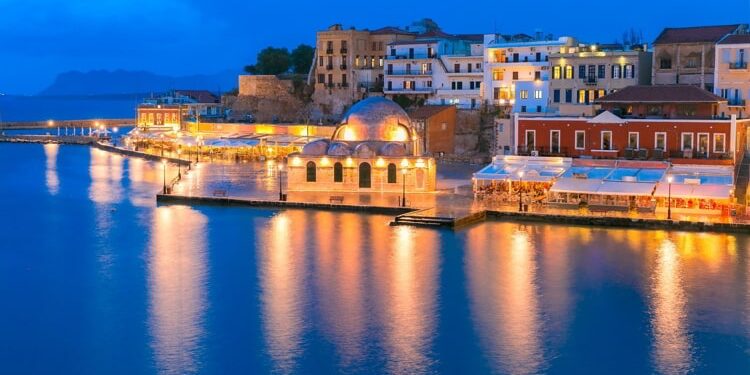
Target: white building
<point>437,68</point>
<point>517,71</point>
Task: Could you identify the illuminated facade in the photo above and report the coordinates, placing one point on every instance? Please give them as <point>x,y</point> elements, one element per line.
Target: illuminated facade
<point>159,117</point>
<point>374,149</point>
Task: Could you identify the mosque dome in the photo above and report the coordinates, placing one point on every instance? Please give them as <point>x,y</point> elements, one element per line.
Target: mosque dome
<point>393,149</point>
<point>316,148</point>
<point>339,149</point>
<point>375,119</point>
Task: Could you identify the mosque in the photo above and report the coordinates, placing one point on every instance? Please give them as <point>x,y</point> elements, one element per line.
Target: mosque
<point>374,149</point>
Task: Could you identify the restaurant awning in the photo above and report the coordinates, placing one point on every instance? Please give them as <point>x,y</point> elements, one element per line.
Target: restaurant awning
<point>695,191</point>
<point>524,168</point>
<point>575,185</point>
<point>626,188</point>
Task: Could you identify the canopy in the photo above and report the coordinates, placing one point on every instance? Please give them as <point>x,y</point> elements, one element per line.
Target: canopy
<point>626,188</point>
<point>688,191</point>
<point>524,168</point>
<point>575,185</point>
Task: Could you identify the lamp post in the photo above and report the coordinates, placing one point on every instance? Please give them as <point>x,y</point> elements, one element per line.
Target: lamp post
<point>670,178</point>
<point>179,168</point>
<point>281,193</point>
<point>520,196</point>
<point>190,156</point>
<point>164,175</point>
<point>162,144</point>
<point>403,190</point>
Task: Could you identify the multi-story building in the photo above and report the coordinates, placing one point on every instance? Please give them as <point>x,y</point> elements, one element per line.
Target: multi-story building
<point>581,76</point>
<point>732,76</point>
<point>686,55</point>
<point>349,64</point>
<point>436,68</point>
<point>517,70</point>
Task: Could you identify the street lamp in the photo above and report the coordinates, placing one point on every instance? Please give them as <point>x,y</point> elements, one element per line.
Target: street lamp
<point>670,178</point>
<point>179,168</point>
<point>161,136</point>
<point>190,157</point>
<point>164,174</point>
<point>403,191</point>
<point>520,197</point>
<point>281,193</point>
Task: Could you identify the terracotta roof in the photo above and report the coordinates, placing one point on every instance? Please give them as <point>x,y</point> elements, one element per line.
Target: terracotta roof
<point>390,30</point>
<point>428,111</point>
<point>698,34</point>
<point>736,39</point>
<point>661,94</point>
<point>202,96</point>
<point>412,41</point>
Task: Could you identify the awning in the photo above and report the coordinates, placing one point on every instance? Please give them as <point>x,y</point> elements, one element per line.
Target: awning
<point>575,185</point>
<point>687,191</point>
<point>626,188</point>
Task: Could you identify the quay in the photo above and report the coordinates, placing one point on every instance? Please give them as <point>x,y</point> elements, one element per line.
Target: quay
<point>88,123</point>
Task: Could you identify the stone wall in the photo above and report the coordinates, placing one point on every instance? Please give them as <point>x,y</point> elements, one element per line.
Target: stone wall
<point>267,98</point>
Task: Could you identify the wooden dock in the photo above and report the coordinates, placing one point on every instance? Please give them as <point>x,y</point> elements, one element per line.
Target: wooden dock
<point>432,218</point>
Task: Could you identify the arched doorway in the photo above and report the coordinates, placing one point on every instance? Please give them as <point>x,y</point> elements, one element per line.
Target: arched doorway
<point>365,175</point>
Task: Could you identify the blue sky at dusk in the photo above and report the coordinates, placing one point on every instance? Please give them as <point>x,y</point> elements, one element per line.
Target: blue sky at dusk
<point>41,38</point>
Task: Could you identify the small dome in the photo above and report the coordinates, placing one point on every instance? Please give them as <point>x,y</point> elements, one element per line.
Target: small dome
<point>339,149</point>
<point>393,149</point>
<point>364,150</point>
<point>316,148</point>
<point>375,119</point>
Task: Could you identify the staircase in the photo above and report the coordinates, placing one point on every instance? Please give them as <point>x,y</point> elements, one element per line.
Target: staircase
<point>741,179</point>
<point>427,218</point>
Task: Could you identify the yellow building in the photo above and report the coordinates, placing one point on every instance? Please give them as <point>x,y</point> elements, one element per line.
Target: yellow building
<point>732,78</point>
<point>374,149</point>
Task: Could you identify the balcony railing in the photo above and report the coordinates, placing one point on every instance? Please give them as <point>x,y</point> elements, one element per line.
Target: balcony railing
<point>344,84</point>
<point>738,65</point>
<point>419,90</point>
<point>329,51</point>
<point>342,66</point>
<point>412,57</point>
<point>737,103</point>
<point>590,81</point>
<point>343,51</point>
<point>329,67</point>
<point>409,72</point>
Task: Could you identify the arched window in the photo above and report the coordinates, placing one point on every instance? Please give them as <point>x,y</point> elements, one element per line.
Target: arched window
<point>392,173</point>
<point>365,178</point>
<point>338,172</point>
<point>311,172</point>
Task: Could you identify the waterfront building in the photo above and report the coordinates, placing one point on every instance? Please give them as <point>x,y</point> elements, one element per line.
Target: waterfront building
<point>517,73</point>
<point>436,68</point>
<point>348,65</point>
<point>159,117</point>
<point>678,123</point>
<point>686,55</point>
<point>374,149</point>
<point>436,127</point>
<point>586,73</point>
<point>732,76</point>
<point>168,111</point>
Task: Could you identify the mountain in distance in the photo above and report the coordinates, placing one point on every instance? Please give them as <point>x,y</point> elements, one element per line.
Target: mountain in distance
<point>117,82</point>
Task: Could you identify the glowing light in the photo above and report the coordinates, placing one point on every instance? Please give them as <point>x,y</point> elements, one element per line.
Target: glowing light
<point>420,163</point>
<point>349,162</point>
<point>296,161</point>
<point>348,134</point>
<point>50,123</point>
<point>398,134</point>
<point>325,161</point>
<point>670,178</point>
<point>380,163</point>
<point>115,129</point>
<point>404,163</point>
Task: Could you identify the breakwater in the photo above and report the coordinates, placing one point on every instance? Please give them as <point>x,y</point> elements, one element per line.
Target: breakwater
<point>53,124</point>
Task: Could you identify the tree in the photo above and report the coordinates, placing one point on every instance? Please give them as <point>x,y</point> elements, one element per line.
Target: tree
<point>301,58</point>
<point>272,61</point>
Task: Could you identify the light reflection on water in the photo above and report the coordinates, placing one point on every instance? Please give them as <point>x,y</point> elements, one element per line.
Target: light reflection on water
<point>322,292</point>
<point>177,276</point>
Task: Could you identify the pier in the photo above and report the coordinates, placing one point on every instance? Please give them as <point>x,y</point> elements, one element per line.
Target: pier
<point>54,124</point>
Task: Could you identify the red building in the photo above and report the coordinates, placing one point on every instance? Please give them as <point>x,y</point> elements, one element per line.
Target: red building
<point>675,123</point>
<point>161,115</point>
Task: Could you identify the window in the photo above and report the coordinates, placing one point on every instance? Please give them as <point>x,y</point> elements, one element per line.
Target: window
<point>456,68</point>
<point>616,72</point>
<point>530,140</point>
<point>633,140</point>
<point>580,140</point>
<point>320,61</point>
<point>665,62</point>
<point>556,72</point>
<point>601,72</point>
<point>338,172</point>
<point>556,95</point>
<point>582,71</point>
<point>539,108</point>
<point>524,94</point>
<point>703,143</point>
<point>569,72</point>
<point>581,96</point>
<point>629,71</point>
<point>523,108</point>
<point>515,76</point>
<point>321,78</point>
<point>311,172</point>
<point>686,142</point>
<point>720,143</point>
<point>554,141</point>
<point>497,75</point>
<point>660,141</point>
<point>537,94</point>
<point>606,140</point>
<point>568,95</point>
<point>392,173</point>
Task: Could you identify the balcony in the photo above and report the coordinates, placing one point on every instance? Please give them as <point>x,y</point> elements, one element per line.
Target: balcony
<point>342,66</point>
<point>329,51</point>
<point>343,50</point>
<point>416,56</point>
<point>344,84</point>
<point>416,72</point>
<point>458,92</point>
<point>738,65</point>
<point>419,90</point>
<point>589,81</point>
<point>736,103</point>
<point>329,67</point>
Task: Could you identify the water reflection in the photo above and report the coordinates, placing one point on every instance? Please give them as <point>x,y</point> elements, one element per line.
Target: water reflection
<point>177,276</point>
<point>406,268</point>
<point>672,352</point>
<point>106,171</point>
<point>505,300</point>
<point>53,182</point>
<point>282,262</point>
